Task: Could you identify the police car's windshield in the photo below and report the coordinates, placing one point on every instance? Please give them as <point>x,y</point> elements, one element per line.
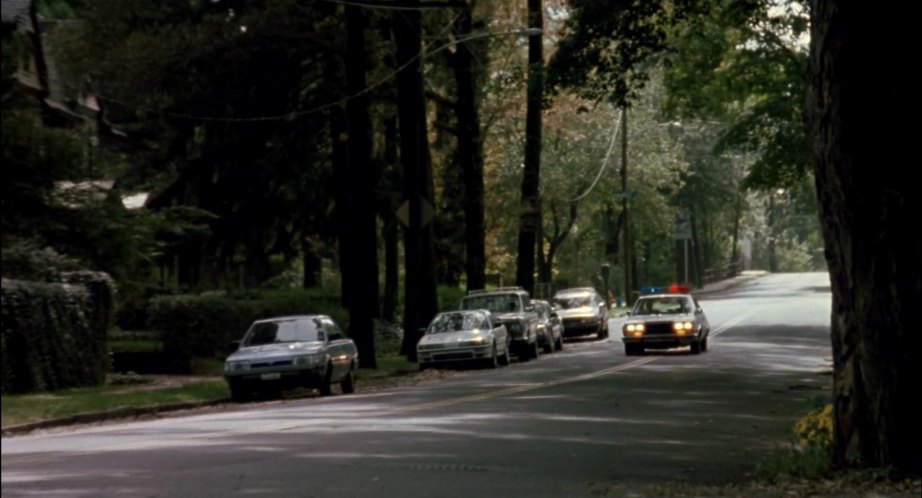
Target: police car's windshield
<point>660,306</point>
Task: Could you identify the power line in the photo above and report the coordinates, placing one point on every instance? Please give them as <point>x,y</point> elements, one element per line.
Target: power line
<point>423,54</point>
<point>611,146</point>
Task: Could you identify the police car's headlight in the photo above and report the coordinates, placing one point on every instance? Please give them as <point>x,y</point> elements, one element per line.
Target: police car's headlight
<point>634,329</point>
<point>682,328</point>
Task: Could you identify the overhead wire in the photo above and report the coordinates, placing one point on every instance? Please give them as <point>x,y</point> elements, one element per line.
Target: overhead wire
<point>611,146</point>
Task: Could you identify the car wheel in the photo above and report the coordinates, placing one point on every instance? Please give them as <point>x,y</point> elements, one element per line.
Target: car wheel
<point>548,346</point>
<point>325,382</point>
<point>238,391</point>
<point>423,366</point>
<point>524,352</point>
<point>704,344</point>
<point>493,360</point>
<point>347,385</point>
<point>534,352</point>
<point>633,349</point>
<point>504,359</point>
<point>696,347</point>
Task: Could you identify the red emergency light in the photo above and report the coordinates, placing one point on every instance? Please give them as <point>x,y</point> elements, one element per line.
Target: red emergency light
<point>679,289</point>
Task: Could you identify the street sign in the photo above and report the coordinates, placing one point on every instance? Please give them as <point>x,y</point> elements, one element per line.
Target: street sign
<point>683,229</point>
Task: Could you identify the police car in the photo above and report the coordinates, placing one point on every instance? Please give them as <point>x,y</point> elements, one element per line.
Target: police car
<point>664,318</point>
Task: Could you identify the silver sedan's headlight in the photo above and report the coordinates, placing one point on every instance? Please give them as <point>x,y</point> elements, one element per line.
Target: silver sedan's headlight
<point>236,366</point>
<point>479,341</point>
<point>307,360</point>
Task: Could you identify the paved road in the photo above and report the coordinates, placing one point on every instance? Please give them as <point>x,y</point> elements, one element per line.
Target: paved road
<point>587,421</point>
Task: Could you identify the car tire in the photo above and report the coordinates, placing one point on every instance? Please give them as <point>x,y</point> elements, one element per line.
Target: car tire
<point>548,346</point>
<point>534,351</point>
<point>424,366</point>
<point>696,347</point>
<point>324,387</point>
<point>238,391</point>
<point>633,349</point>
<point>522,353</point>
<point>493,361</point>
<point>347,385</point>
<point>704,344</point>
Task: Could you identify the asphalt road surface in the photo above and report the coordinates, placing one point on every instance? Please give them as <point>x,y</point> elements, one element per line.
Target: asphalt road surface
<point>587,421</point>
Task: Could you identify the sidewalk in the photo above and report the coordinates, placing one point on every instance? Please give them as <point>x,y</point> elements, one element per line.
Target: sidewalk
<point>722,285</point>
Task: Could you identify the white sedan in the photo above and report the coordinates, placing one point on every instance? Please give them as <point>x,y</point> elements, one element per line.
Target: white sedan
<point>464,336</point>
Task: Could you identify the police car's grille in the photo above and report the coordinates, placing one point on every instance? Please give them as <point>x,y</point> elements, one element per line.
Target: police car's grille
<point>659,328</point>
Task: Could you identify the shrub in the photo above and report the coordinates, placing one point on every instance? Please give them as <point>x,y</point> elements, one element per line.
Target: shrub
<point>203,325</point>
<point>54,334</point>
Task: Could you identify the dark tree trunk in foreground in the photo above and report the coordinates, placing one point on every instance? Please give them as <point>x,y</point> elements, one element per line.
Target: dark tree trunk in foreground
<point>864,151</point>
<point>362,253</point>
<point>531,175</point>
<point>421,300</point>
<point>470,154</point>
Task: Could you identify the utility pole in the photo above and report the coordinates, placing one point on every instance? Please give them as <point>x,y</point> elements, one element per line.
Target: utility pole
<point>626,243</point>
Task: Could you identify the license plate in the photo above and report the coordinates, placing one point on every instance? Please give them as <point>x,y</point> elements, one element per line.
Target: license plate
<point>271,376</point>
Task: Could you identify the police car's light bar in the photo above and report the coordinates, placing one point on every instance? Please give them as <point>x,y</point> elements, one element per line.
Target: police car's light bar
<point>670,289</point>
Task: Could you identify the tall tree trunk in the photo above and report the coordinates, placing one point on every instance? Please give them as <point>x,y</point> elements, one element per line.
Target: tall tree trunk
<point>531,175</point>
<point>390,229</point>
<point>363,252</point>
<point>421,299</point>
<point>863,150</point>
<point>470,154</point>
<point>312,264</point>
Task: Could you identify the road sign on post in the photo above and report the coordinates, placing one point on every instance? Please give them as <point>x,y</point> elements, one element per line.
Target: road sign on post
<point>683,229</point>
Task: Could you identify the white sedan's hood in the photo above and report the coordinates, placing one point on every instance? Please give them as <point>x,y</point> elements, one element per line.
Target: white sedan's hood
<point>449,338</point>
<point>580,311</point>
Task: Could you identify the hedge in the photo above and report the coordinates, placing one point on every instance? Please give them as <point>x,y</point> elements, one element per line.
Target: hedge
<point>54,334</point>
<point>203,325</point>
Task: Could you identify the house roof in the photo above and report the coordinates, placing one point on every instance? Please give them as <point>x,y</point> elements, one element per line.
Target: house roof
<point>13,9</point>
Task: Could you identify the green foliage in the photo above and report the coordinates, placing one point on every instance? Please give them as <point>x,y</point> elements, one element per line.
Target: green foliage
<point>743,63</point>
<point>450,297</point>
<point>809,462</point>
<point>810,456</point>
<point>203,325</point>
<point>54,335</point>
<point>606,46</point>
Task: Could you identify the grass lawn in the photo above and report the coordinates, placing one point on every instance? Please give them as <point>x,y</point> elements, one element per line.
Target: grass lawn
<point>139,391</point>
<point>18,409</point>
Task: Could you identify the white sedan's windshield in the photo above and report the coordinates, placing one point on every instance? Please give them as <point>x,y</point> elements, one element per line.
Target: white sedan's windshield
<point>570,302</point>
<point>454,322</point>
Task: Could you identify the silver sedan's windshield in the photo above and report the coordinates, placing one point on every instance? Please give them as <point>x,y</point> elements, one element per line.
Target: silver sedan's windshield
<point>296,330</point>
